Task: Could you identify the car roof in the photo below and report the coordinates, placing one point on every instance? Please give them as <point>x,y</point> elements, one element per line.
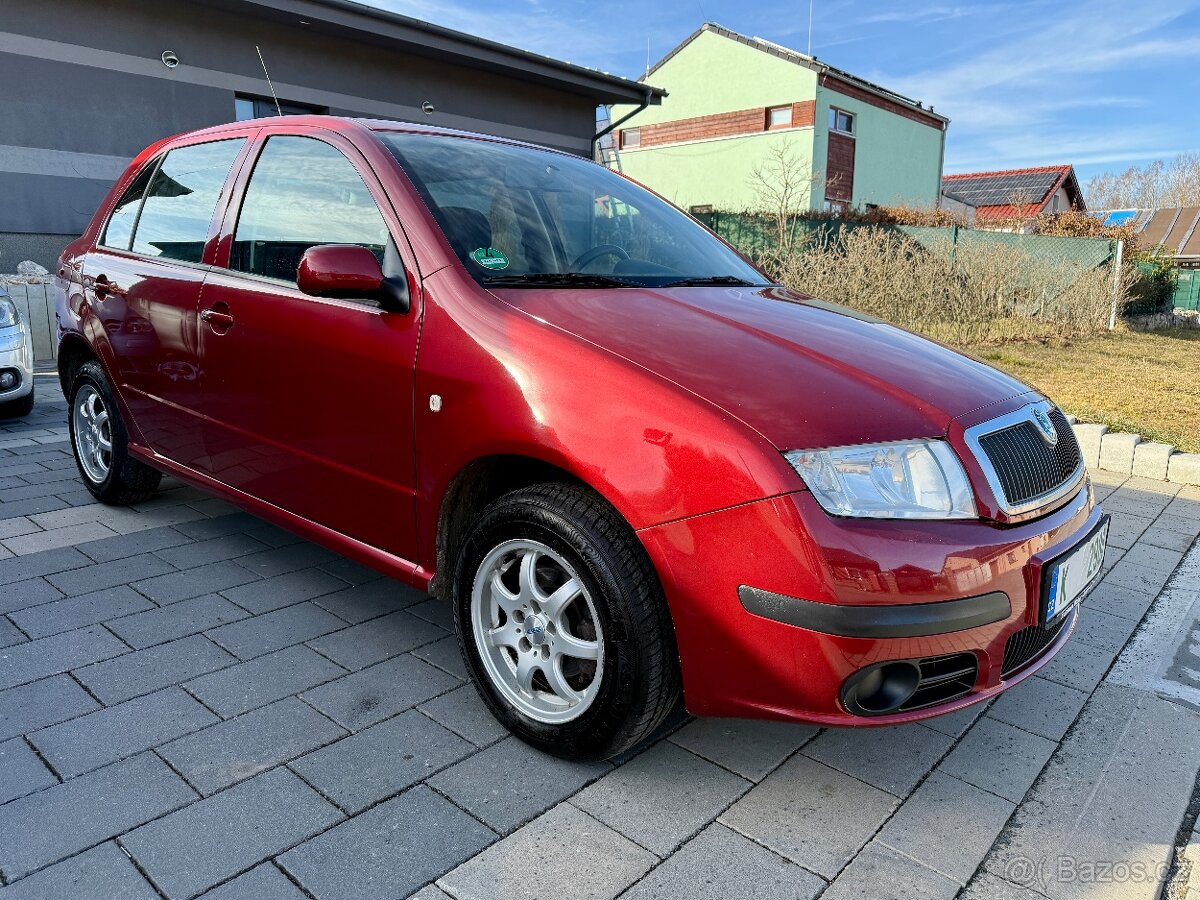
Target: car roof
<point>348,125</point>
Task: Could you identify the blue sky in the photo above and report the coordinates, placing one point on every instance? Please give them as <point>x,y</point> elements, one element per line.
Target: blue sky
<point>1103,85</point>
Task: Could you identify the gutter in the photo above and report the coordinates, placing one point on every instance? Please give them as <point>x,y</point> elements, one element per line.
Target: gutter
<point>649,95</point>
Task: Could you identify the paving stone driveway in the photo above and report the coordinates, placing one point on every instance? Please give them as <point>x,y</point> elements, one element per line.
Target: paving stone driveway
<point>195,702</point>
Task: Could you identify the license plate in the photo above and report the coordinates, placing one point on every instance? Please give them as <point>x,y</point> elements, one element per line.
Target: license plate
<point>1069,575</point>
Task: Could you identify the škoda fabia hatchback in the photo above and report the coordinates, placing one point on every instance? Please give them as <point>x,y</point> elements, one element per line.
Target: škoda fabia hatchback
<point>635,467</point>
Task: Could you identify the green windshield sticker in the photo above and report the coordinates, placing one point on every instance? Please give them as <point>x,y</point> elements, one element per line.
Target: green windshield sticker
<point>490,258</point>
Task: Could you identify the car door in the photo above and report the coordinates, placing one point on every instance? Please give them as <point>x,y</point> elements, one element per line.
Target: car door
<point>143,281</point>
<point>310,400</point>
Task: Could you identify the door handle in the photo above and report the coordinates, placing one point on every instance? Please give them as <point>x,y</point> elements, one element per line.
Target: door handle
<point>218,320</point>
<point>101,285</point>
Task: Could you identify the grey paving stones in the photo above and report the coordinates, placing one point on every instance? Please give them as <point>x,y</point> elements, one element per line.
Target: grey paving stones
<point>662,797</point>
<point>998,758</point>
<point>594,863</point>
<point>881,872</point>
<point>948,825</point>
<point>379,692</point>
<point>101,575</point>
<point>113,733</point>
<point>1104,630</point>
<point>353,573</point>
<point>955,723</point>
<point>178,620</point>
<point>278,560</point>
<point>435,610</point>
<point>284,590</point>
<point>388,851</point>
<point>383,760</point>
<point>97,806</point>
<point>445,654</point>
<point>197,847</point>
<point>720,864</point>
<point>20,568</point>
<point>76,612</point>
<point>1133,751</point>
<point>40,703</point>
<point>126,545</point>
<point>147,670</point>
<point>203,529</point>
<point>275,630</point>
<point>23,594</point>
<point>10,634</point>
<point>376,640</point>
<point>263,882</point>
<point>1078,665</point>
<point>102,872</point>
<point>368,600</point>
<point>893,758</point>
<point>509,783</point>
<point>1117,601</point>
<point>1043,707</point>
<point>240,748</point>
<point>21,772</point>
<point>50,655</point>
<point>815,816</point>
<point>194,582</point>
<point>262,680</point>
<point>201,553</point>
<point>749,747</point>
<point>463,712</point>
<point>57,537</point>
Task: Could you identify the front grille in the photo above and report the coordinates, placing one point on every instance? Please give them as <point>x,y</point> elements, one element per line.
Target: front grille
<point>1026,645</point>
<point>1026,465</point>
<point>943,678</point>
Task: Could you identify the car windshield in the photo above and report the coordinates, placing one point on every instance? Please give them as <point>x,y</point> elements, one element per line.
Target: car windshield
<point>521,216</point>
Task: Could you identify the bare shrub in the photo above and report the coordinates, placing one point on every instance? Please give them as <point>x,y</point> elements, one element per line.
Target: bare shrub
<point>979,292</point>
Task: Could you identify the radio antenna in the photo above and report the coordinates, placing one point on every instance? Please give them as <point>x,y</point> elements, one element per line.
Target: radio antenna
<point>274,97</point>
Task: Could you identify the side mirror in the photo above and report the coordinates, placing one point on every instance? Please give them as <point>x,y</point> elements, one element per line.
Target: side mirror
<point>343,270</point>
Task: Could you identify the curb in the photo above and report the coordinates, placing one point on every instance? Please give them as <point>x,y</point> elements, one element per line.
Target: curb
<point>1128,454</point>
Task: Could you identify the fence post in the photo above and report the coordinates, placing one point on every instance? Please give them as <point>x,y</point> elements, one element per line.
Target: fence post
<point>1116,288</point>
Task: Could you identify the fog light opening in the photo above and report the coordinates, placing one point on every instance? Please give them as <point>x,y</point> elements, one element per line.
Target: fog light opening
<point>881,689</point>
<point>8,379</point>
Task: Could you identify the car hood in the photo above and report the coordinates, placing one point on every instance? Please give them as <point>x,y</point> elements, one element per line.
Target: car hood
<point>802,372</point>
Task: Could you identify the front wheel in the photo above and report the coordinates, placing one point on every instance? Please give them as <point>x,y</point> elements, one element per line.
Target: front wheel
<point>101,443</point>
<point>563,624</point>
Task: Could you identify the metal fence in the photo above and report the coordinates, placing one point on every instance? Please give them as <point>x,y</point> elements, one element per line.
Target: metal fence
<point>1187,289</point>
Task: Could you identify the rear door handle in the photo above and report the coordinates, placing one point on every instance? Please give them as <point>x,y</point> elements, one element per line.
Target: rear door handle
<point>218,320</point>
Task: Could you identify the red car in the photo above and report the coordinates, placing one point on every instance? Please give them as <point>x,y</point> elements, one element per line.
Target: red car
<point>633,464</point>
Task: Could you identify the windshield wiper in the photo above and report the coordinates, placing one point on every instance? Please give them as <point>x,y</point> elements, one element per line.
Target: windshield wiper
<point>731,280</point>
<point>559,279</point>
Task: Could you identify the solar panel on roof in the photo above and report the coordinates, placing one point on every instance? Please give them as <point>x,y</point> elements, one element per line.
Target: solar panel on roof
<point>1002,190</point>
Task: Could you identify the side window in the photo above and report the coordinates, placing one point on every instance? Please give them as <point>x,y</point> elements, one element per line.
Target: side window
<point>303,193</point>
<point>178,210</point>
<point>118,233</point>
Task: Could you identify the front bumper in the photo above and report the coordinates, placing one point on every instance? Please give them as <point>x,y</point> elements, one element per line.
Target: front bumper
<point>16,353</point>
<point>870,591</point>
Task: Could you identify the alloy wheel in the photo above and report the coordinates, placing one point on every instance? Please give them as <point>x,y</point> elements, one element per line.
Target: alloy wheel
<point>93,434</point>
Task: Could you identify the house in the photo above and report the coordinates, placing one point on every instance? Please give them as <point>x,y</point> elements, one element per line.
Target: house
<point>1174,231</point>
<point>739,105</point>
<point>87,85</point>
<point>1003,199</point>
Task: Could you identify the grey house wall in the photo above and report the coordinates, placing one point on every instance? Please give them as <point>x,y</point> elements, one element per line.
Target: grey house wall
<point>84,90</point>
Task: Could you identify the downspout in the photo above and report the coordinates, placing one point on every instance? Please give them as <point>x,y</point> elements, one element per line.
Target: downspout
<point>621,121</point>
<point>937,204</point>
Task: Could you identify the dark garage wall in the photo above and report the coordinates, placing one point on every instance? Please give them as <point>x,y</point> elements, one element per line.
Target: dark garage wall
<point>79,102</point>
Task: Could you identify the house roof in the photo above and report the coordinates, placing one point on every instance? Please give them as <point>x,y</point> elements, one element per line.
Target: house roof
<point>1013,193</point>
<point>1173,229</point>
<point>801,59</point>
<point>372,25</point>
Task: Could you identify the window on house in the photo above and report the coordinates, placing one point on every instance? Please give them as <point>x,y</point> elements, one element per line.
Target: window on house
<point>837,207</point>
<point>840,120</point>
<point>248,107</point>
<point>631,137</point>
<point>779,117</point>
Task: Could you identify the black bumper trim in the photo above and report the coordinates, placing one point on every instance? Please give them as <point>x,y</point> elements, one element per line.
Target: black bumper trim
<point>904,621</point>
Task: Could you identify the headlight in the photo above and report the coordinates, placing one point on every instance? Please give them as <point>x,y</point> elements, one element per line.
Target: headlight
<point>8,313</point>
<point>907,480</point>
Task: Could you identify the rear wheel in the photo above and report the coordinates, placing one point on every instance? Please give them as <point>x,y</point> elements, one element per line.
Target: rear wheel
<point>563,624</point>
<point>100,442</point>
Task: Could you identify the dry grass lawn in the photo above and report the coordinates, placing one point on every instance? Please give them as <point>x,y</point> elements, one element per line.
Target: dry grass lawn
<point>1147,382</point>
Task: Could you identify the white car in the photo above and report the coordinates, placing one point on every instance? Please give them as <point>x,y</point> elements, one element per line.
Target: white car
<point>16,360</point>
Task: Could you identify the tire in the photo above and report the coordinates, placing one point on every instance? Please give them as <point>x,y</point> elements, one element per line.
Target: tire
<point>16,409</point>
<point>111,475</point>
<point>618,612</point>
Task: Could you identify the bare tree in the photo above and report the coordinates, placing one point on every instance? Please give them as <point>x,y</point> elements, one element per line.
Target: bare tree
<point>1145,187</point>
<point>782,186</point>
